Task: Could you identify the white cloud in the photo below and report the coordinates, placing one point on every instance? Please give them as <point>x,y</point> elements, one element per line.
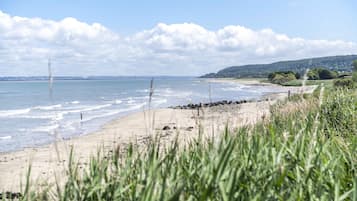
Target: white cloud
<point>78,48</point>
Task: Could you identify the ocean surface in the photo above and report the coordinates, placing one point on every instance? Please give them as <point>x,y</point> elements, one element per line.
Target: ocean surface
<point>30,114</point>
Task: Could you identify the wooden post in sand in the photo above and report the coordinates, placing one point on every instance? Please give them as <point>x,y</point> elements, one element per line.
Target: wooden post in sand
<point>198,110</point>
<point>289,93</point>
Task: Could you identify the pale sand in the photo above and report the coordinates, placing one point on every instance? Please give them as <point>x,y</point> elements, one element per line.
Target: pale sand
<point>133,128</point>
<point>244,81</point>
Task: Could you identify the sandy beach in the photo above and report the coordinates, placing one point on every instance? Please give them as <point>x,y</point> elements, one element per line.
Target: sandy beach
<point>244,81</point>
<point>49,162</point>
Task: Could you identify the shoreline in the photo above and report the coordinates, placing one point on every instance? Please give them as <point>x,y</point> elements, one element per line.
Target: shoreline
<point>134,128</point>
<point>244,81</point>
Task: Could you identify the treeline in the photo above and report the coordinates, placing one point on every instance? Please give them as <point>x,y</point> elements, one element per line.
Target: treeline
<point>319,73</point>
<point>348,80</point>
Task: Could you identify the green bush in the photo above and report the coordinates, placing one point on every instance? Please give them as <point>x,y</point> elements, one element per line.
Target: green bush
<point>354,76</point>
<point>313,75</point>
<point>282,77</point>
<point>321,74</point>
<point>344,83</point>
<point>325,74</point>
<point>339,113</point>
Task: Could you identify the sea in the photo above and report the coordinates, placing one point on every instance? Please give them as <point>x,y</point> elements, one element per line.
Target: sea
<point>32,113</point>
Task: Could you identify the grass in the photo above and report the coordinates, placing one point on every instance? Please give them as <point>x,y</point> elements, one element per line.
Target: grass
<point>308,82</point>
<point>306,151</point>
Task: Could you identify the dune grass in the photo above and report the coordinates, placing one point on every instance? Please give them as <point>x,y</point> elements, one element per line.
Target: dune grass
<point>296,83</point>
<point>303,152</point>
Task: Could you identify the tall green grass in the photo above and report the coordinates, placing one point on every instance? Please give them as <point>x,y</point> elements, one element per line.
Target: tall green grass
<point>304,152</point>
<point>308,82</point>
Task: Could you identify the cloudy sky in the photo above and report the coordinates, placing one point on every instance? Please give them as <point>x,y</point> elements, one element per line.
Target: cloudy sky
<point>166,37</point>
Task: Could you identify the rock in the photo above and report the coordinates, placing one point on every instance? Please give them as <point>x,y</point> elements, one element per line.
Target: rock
<point>212,104</point>
<point>190,128</point>
<point>10,195</point>
<point>166,128</point>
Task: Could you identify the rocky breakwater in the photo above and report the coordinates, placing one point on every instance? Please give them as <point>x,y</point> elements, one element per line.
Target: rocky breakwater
<point>213,104</point>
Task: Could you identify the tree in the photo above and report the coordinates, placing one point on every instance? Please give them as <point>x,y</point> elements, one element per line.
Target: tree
<point>321,74</point>
<point>282,77</point>
<point>325,74</point>
<point>354,76</point>
<point>313,75</point>
<point>344,83</point>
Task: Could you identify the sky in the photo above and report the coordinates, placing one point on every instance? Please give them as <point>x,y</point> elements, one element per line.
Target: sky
<point>168,37</point>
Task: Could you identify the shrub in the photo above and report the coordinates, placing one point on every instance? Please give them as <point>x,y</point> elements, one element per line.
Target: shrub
<point>283,77</point>
<point>339,113</point>
<point>313,75</point>
<point>325,74</point>
<point>321,74</point>
<point>280,79</point>
<point>344,83</point>
<point>354,76</point>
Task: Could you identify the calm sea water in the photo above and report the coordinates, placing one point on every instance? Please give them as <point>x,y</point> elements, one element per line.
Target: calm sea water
<point>29,116</point>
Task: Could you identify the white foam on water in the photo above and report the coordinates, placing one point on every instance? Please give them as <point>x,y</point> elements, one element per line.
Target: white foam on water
<point>131,100</point>
<point>160,101</point>
<point>8,137</point>
<point>165,91</point>
<point>45,129</point>
<point>49,107</point>
<point>41,116</point>
<point>114,112</point>
<point>142,90</point>
<point>85,109</point>
<point>97,107</point>
<point>117,101</point>
<point>75,102</point>
<point>58,117</point>
<point>233,88</point>
<point>168,92</point>
<point>7,113</point>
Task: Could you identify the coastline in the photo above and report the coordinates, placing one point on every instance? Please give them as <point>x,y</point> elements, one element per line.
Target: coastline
<point>244,81</point>
<point>51,159</point>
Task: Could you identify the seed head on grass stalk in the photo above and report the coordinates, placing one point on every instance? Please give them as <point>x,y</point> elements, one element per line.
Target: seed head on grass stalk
<point>151,118</point>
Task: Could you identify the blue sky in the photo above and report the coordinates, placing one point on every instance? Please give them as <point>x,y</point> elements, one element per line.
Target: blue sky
<point>165,37</point>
